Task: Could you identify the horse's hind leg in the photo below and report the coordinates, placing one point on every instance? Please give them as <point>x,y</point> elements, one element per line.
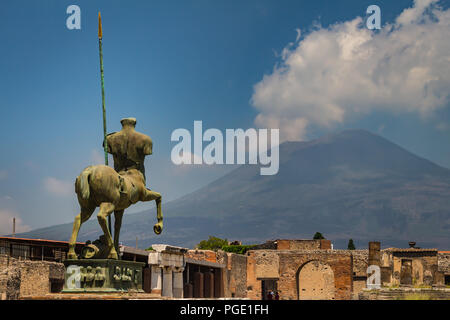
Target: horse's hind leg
<point>118,214</point>
<point>152,195</point>
<point>84,215</point>
<point>106,208</point>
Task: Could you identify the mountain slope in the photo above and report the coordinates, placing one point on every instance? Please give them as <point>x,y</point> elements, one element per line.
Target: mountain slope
<point>352,184</point>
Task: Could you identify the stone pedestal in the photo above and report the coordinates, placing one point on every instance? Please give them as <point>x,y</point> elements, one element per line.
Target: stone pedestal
<point>102,275</point>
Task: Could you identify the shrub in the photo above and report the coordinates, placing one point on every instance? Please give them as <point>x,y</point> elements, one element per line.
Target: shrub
<point>239,249</point>
<point>213,243</point>
<point>318,236</point>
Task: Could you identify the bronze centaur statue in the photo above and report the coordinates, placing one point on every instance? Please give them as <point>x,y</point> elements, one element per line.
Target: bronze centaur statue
<point>114,190</point>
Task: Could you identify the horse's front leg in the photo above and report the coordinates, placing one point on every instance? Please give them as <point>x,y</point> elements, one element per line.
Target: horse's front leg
<point>84,215</point>
<point>152,195</point>
<point>118,214</point>
<point>106,208</point>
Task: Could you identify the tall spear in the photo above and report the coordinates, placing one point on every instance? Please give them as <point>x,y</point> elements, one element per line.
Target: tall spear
<point>105,142</point>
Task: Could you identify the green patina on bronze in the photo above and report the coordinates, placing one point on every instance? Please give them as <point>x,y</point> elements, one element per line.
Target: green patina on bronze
<point>102,275</point>
<point>114,190</point>
<point>100,50</point>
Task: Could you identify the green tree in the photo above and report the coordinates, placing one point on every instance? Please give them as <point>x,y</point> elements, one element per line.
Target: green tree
<point>318,236</point>
<point>213,243</point>
<point>351,245</point>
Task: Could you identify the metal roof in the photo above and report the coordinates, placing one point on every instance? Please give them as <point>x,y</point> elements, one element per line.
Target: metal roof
<point>37,240</point>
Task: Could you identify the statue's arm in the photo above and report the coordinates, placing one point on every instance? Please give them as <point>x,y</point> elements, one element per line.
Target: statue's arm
<point>109,141</point>
<point>148,146</point>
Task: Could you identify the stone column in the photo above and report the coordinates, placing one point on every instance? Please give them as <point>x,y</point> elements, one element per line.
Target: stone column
<point>147,280</point>
<point>178,282</point>
<point>167,282</point>
<point>198,285</point>
<point>218,283</point>
<point>209,285</point>
<point>188,290</point>
<point>156,280</point>
<point>374,253</point>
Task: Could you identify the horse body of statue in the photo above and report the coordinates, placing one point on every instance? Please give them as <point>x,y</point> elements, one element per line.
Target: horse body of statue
<point>112,191</point>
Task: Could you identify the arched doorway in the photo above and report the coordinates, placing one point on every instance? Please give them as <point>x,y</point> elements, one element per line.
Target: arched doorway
<point>315,281</point>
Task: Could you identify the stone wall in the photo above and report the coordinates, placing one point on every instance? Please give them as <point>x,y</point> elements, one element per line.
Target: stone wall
<point>202,255</point>
<point>444,262</point>
<point>360,262</point>
<point>9,283</point>
<point>294,244</point>
<point>285,265</point>
<point>29,278</point>
<point>4,259</point>
<point>406,294</point>
<point>234,278</point>
<point>237,275</point>
<point>302,244</point>
<point>340,263</point>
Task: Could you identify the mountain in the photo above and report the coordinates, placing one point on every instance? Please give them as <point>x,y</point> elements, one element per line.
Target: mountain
<point>353,184</point>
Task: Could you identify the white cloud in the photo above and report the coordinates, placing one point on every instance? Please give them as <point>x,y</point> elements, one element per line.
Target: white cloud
<point>59,187</point>
<point>346,71</point>
<point>6,222</point>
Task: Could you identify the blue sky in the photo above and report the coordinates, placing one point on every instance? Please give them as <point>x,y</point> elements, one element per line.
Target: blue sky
<point>168,63</point>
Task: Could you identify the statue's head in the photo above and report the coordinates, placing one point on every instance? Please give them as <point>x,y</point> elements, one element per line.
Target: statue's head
<point>128,122</point>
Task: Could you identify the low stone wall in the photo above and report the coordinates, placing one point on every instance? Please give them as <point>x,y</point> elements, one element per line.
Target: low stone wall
<point>444,262</point>
<point>10,283</point>
<point>20,278</point>
<point>406,294</point>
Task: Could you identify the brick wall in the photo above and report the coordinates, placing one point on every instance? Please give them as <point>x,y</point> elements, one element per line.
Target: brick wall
<point>263,264</point>
<point>302,244</point>
<point>202,255</point>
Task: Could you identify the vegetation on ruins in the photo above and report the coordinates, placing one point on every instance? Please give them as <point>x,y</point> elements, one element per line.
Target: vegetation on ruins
<point>318,236</point>
<point>351,245</point>
<point>239,249</point>
<point>416,296</point>
<point>215,243</point>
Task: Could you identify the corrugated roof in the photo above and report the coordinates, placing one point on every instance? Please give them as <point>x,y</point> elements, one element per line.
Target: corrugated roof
<point>38,240</point>
<point>410,250</point>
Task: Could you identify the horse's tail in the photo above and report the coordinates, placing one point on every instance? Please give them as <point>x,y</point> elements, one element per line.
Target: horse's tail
<point>84,183</point>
